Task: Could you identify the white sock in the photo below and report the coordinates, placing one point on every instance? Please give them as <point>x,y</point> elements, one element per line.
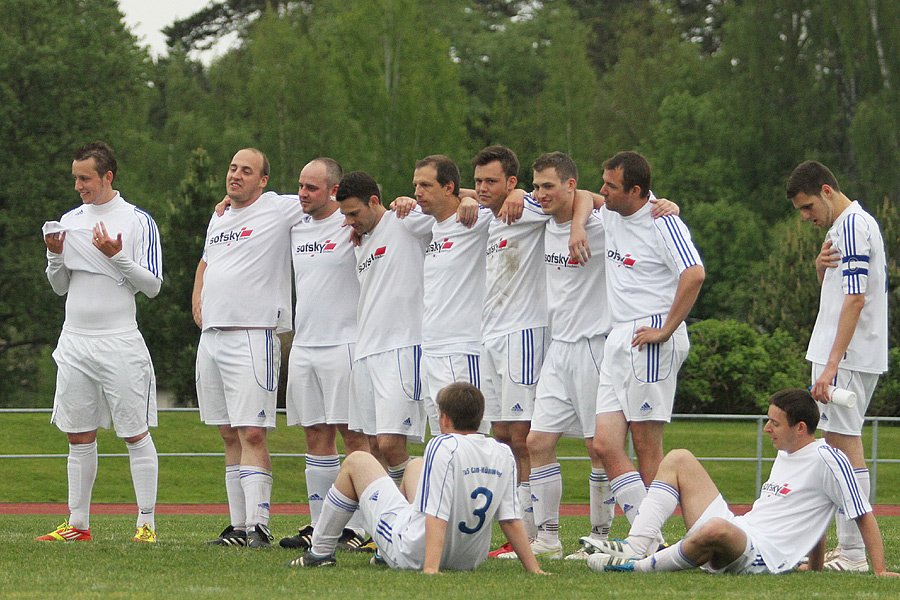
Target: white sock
<point>144,474</point>
<point>523,491</point>
<point>321,473</point>
<point>849,539</point>
<point>546,494</point>
<point>336,512</point>
<point>357,524</point>
<point>237,507</point>
<point>661,501</point>
<point>396,473</point>
<point>81,468</point>
<point>603,504</point>
<point>257,485</point>
<point>629,490</point>
<point>668,559</point>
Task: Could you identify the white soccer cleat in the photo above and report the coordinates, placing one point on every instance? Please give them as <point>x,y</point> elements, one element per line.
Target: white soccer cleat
<point>613,547</point>
<point>838,562</point>
<point>540,549</point>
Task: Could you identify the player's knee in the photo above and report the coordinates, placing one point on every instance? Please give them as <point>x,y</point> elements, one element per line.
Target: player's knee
<point>679,456</point>
<point>539,443</point>
<point>715,533</point>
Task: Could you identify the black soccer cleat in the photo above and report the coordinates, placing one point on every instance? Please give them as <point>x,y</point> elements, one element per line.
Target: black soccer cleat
<point>230,537</point>
<point>301,541</point>
<point>308,559</point>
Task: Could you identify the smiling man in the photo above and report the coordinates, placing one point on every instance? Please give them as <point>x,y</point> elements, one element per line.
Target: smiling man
<point>849,344</point>
<point>808,483</point>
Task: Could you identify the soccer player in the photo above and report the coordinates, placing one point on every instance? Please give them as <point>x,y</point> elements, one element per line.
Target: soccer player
<point>849,344</point>
<point>99,256</point>
<point>809,481</point>
<point>385,386</point>
<point>318,385</point>
<point>241,301</point>
<point>465,482</point>
<point>653,277</point>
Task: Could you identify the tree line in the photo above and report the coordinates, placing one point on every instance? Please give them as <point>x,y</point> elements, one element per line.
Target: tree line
<point>724,97</point>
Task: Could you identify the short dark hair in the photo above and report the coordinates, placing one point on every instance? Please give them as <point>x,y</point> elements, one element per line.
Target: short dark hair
<point>799,405</point>
<point>635,170</point>
<point>809,177</point>
<point>447,171</point>
<point>358,184</point>
<point>333,170</point>
<point>565,167</point>
<point>104,159</point>
<point>463,403</point>
<point>507,158</point>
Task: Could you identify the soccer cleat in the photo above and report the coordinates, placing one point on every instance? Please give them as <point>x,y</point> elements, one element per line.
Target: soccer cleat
<point>301,541</point>
<point>145,533</point>
<point>613,547</point>
<point>350,541</point>
<point>599,563</point>
<point>580,554</point>
<point>839,562</point>
<point>66,533</point>
<point>230,537</point>
<point>507,547</point>
<point>259,536</point>
<point>540,549</point>
<point>377,561</point>
<point>308,559</point>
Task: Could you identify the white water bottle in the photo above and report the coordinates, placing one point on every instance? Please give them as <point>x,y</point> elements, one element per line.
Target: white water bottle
<point>841,397</point>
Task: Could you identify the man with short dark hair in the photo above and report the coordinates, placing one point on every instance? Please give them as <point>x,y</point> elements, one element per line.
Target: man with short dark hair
<point>443,521</point>
<point>809,481</point>
<point>99,256</point>
<point>849,344</point>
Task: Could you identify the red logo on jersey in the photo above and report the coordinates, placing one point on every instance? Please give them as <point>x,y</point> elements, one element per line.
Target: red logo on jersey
<point>380,251</point>
<point>628,261</point>
<point>502,244</point>
<point>329,245</point>
<point>245,233</point>
<point>785,490</point>
<point>446,245</point>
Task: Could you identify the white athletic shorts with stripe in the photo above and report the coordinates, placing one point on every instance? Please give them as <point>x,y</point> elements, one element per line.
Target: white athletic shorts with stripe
<point>510,367</point>
<point>103,380</point>
<point>237,377</point>
<point>840,419</point>
<point>641,384</point>
<point>748,563</point>
<point>386,394</point>
<point>440,371</point>
<point>566,399</point>
<point>398,529</point>
<point>318,385</point>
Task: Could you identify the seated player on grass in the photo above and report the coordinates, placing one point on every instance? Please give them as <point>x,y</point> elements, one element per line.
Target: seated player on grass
<point>808,483</point>
<point>465,482</point>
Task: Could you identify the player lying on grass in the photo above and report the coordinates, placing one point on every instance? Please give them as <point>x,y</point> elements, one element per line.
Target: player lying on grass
<point>808,483</point>
<point>464,483</point>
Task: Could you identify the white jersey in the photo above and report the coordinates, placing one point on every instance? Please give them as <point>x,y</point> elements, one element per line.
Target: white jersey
<point>798,502</point>
<point>645,258</point>
<point>100,290</point>
<point>326,284</point>
<point>454,286</point>
<point>389,265</point>
<point>247,282</point>
<point>855,234</point>
<point>576,293</point>
<point>516,297</point>
<point>469,481</point>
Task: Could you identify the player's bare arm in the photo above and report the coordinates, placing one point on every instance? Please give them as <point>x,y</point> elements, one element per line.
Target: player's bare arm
<point>195,296</point>
<point>689,284</point>
<point>871,535</point>
<point>849,318</point>
<point>467,213</point>
<point>403,205</point>
<point>582,206</point>
<point>104,243</point>
<point>222,206</point>
<point>828,258</point>
<point>663,207</point>
<point>435,532</point>
<point>55,242</point>
<point>514,531</point>
<point>512,208</point>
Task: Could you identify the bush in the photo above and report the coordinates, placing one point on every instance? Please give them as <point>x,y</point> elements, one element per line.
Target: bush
<point>734,369</point>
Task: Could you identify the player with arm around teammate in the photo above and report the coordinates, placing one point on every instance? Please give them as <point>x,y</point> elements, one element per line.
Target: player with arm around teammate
<point>464,482</point>
<point>809,481</point>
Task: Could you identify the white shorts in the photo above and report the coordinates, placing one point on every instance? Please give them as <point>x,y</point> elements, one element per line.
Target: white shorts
<point>566,399</point>
<point>750,562</point>
<point>237,377</point>
<point>385,396</point>
<point>104,379</point>
<point>510,367</point>
<point>318,385</point>
<point>398,529</point>
<point>641,384</point>
<point>440,371</point>
<point>840,419</point>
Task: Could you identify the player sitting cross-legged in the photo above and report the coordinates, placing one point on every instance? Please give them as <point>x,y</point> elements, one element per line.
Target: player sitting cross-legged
<point>464,483</point>
<point>808,483</point>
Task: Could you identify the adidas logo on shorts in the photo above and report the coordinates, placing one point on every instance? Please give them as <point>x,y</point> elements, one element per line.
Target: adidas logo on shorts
<point>517,408</point>
<point>407,422</point>
<point>262,414</point>
<point>646,407</point>
<point>823,417</point>
<point>374,497</point>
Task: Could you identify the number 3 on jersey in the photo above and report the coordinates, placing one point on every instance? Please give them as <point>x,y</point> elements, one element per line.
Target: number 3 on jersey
<point>478,512</point>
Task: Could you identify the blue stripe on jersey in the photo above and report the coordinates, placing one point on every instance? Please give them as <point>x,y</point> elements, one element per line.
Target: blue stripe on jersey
<point>684,250</point>
<point>848,475</point>
<point>849,239</point>
<point>152,236</point>
<point>384,530</point>
<point>430,452</point>
<point>474,370</point>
